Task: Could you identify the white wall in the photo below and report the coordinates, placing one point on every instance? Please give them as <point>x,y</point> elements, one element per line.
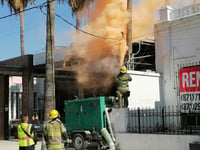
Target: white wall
<point>119,119</point>
<point>145,90</point>
<point>155,141</point>
<point>15,85</point>
<point>177,45</point>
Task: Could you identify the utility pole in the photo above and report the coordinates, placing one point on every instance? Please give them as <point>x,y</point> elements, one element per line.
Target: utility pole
<point>129,36</point>
<point>78,26</point>
<point>50,73</point>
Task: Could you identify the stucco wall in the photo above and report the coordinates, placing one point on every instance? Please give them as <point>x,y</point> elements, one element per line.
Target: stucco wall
<point>145,89</point>
<point>177,46</point>
<point>155,141</point>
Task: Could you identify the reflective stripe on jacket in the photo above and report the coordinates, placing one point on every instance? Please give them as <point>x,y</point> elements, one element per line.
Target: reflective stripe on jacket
<point>53,132</point>
<point>123,79</point>
<point>25,140</point>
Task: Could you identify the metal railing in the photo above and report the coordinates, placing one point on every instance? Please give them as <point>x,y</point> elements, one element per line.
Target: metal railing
<point>185,11</point>
<point>163,120</point>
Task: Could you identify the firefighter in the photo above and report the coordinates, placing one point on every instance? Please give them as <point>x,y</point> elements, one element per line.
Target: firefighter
<point>55,132</point>
<point>25,134</point>
<point>122,89</point>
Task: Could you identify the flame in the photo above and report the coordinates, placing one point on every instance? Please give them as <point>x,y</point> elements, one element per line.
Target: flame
<point>93,55</point>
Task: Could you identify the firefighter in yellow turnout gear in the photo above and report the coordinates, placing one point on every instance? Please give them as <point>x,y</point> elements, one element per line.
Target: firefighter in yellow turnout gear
<point>55,132</point>
<point>123,90</point>
<point>25,134</point>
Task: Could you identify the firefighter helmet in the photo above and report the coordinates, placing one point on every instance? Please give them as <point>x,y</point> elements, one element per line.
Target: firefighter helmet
<point>123,69</point>
<point>53,114</point>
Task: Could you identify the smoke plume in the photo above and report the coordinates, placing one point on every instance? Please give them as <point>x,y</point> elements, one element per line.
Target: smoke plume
<point>97,59</point>
<point>144,16</point>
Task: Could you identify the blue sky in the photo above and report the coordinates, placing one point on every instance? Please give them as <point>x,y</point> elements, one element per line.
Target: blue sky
<point>35,30</point>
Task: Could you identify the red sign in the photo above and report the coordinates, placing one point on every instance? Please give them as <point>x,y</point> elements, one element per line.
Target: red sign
<point>189,79</point>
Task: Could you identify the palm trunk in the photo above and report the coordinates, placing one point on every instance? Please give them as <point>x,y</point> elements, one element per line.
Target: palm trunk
<point>50,77</point>
<point>22,31</point>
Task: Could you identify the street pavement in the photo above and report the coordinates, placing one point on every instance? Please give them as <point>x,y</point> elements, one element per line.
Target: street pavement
<point>13,145</point>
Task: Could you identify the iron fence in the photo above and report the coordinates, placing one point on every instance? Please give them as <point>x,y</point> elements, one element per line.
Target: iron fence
<point>163,120</point>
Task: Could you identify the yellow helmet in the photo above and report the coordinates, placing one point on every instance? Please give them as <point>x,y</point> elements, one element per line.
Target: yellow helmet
<point>123,69</point>
<point>53,114</point>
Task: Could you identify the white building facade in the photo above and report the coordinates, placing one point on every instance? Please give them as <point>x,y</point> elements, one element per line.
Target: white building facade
<point>144,89</point>
<point>177,42</point>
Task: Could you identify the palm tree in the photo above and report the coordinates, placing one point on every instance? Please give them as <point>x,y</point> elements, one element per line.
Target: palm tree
<point>18,7</point>
<point>2,2</point>
<point>50,76</point>
<point>76,6</point>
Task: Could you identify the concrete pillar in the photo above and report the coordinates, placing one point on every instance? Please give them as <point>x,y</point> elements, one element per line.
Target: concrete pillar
<point>27,81</point>
<point>4,105</point>
<point>165,13</point>
<point>119,120</point>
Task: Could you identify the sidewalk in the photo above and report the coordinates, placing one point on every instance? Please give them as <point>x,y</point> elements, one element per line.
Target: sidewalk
<point>13,145</point>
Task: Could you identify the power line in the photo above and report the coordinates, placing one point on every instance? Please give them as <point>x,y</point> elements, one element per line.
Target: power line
<point>91,34</point>
<point>65,20</point>
<point>98,36</point>
<point>27,9</point>
<point>71,24</point>
<point>12,14</point>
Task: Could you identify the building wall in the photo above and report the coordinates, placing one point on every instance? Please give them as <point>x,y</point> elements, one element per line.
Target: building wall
<point>15,97</point>
<point>177,46</point>
<point>145,89</point>
<point>155,141</point>
<point>59,55</point>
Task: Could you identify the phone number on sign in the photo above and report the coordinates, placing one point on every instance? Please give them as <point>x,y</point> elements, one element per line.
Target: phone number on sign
<point>190,106</point>
<point>190,97</point>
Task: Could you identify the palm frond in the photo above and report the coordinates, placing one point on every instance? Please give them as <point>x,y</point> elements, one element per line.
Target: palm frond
<point>17,5</point>
<point>2,2</point>
<point>78,5</point>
